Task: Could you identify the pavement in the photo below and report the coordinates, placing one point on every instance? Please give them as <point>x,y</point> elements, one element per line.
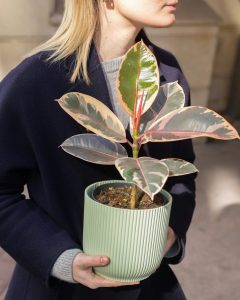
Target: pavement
<point>211,268</point>
<point>6,269</point>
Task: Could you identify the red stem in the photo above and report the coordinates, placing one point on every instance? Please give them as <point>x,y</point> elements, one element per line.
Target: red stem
<point>136,100</point>
<point>135,107</point>
<point>139,112</point>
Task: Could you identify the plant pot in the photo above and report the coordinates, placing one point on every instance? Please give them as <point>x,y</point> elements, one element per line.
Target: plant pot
<point>133,239</point>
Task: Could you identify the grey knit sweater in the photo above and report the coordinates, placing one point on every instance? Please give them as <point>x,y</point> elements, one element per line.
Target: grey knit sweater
<point>110,70</point>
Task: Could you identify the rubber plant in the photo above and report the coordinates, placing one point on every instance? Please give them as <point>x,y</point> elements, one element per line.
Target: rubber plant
<point>157,114</point>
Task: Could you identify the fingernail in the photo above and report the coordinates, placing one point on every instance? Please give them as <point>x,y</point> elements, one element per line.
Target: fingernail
<point>104,260</point>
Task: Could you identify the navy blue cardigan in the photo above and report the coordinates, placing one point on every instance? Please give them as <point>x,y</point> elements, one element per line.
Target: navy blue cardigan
<point>32,126</point>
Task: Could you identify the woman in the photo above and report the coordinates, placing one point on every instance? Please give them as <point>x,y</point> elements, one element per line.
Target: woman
<point>44,234</point>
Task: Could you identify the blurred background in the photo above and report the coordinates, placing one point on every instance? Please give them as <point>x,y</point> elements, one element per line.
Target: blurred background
<point>206,42</point>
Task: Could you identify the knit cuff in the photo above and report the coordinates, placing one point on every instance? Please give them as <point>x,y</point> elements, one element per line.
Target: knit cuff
<point>63,267</point>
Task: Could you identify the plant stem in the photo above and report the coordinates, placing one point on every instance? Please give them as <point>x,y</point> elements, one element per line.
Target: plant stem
<point>133,196</point>
<point>135,143</point>
<point>135,147</point>
<point>135,150</point>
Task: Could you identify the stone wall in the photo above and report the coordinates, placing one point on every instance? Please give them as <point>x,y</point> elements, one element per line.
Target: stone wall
<point>194,48</point>
<point>23,25</point>
<point>224,63</point>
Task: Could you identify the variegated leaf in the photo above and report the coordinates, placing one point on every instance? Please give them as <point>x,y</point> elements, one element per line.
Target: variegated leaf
<point>189,122</point>
<point>170,97</point>
<point>173,97</point>
<point>93,115</point>
<point>93,148</point>
<point>138,72</point>
<point>178,167</point>
<point>147,173</point>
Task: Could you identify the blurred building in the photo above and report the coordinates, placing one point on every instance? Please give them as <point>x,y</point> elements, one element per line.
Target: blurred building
<point>204,39</point>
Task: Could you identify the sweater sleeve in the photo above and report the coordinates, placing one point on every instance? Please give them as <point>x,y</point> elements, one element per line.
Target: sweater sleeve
<point>27,232</point>
<point>63,267</point>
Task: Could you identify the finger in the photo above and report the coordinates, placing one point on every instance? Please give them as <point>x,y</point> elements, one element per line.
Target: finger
<point>171,238</point>
<point>87,261</point>
<point>103,282</point>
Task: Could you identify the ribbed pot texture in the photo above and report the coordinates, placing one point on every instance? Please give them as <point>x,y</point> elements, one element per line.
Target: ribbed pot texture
<point>133,239</point>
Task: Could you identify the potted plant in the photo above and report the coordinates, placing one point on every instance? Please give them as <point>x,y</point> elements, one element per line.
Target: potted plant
<point>127,220</point>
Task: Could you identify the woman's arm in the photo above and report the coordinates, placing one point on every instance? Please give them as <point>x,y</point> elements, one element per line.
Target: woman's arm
<point>27,232</point>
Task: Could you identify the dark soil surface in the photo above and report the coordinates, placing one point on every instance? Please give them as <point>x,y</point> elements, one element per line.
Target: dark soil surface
<point>120,197</point>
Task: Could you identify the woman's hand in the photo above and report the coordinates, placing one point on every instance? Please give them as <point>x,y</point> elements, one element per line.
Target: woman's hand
<point>83,273</point>
<point>171,238</point>
<point>83,263</point>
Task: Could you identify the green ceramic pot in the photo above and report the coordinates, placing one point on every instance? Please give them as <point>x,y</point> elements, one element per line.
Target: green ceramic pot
<point>133,239</point>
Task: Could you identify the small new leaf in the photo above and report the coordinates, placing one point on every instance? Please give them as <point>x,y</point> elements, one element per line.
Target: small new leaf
<point>179,167</point>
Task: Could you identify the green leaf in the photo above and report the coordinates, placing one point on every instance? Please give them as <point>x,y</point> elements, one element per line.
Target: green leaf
<point>138,71</point>
<point>147,173</point>
<point>189,122</point>
<point>93,115</point>
<point>93,148</point>
<point>178,167</point>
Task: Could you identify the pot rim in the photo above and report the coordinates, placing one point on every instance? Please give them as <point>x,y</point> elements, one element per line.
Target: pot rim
<point>89,192</point>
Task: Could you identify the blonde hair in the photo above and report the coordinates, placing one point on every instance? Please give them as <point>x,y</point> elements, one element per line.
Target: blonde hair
<point>75,35</point>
